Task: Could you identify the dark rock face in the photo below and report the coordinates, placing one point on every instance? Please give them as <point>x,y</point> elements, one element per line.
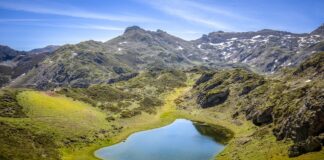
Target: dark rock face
<point>250,87</point>
<point>212,99</point>
<point>262,117</point>
<point>125,77</point>
<point>118,70</point>
<point>309,120</point>
<point>212,86</point>
<point>204,78</point>
<point>310,145</point>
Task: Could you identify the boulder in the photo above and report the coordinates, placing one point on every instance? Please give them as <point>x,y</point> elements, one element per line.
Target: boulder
<point>206,100</point>
<point>204,78</point>
<point>263,117</point>
<point>124,77</point>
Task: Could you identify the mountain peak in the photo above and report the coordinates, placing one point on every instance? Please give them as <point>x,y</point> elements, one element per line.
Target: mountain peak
<point>319,30</point>
<point>133,28</point>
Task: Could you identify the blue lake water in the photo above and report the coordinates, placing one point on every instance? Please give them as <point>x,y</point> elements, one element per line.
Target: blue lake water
<point>181,140</point>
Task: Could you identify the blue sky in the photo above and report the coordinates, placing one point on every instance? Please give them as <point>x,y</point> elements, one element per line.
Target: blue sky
<point>28,24</point>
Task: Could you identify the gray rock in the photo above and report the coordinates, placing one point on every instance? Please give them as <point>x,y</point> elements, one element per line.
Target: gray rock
<point>206,100</point>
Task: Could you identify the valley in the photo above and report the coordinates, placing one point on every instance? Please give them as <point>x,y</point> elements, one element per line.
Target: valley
<point>264,99</point>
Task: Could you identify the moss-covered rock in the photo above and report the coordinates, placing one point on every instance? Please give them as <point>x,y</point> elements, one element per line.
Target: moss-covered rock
<point>213,97</point>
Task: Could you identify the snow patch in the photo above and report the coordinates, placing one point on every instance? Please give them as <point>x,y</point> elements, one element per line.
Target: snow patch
<point>308,80</point>
<point>213,44</point>
<point>125,42</point>
<point>257,36</point>
<point>180,48</point>
<point>74,54</point>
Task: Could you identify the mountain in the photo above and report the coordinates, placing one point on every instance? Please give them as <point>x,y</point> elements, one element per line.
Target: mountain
<point>319,31</point>
<point>49,48</point>
<point>7,53</point>
<point>265,50</point>
<point>15,63</point>
<point>93,62</point>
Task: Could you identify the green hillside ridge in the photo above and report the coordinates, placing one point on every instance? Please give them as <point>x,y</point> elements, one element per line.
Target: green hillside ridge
<point>250,110</point>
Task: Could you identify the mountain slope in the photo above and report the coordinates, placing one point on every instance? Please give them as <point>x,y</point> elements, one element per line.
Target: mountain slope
<point>265,50</point>
<point>16,63</point>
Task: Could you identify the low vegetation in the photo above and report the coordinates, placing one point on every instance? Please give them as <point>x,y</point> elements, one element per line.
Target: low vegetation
<point>258,117</point>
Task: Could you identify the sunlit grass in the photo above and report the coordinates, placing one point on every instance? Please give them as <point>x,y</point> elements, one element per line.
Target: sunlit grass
<point>64,115</point>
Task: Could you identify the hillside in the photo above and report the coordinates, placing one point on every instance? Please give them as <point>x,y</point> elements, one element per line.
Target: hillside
<point>285,113</point>
<point>288,107</point>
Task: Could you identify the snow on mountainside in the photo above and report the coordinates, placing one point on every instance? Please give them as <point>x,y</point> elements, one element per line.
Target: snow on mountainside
<point>266,50</point>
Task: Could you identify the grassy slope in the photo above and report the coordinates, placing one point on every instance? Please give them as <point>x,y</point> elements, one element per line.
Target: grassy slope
<point>64,115</point>
<point>52,121</point>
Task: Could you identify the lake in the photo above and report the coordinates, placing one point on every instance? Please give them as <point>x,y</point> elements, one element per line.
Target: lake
<point>180,140</point>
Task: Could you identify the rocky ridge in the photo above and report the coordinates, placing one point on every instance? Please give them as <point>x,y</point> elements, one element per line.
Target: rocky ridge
<point>93,62</point>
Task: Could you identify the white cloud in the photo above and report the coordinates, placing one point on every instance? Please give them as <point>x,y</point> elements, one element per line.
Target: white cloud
<point>211,16</point>
<point>72,12</point>
<point>216,10</point>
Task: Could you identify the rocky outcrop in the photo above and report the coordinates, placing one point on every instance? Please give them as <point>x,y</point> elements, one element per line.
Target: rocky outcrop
<point>251,86</point>
<point>305,122</point>
<point>212,98</point>
<point>204,78</point>
<point>260,117</point>
<point>310,145</point>
<point>125,77</point>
